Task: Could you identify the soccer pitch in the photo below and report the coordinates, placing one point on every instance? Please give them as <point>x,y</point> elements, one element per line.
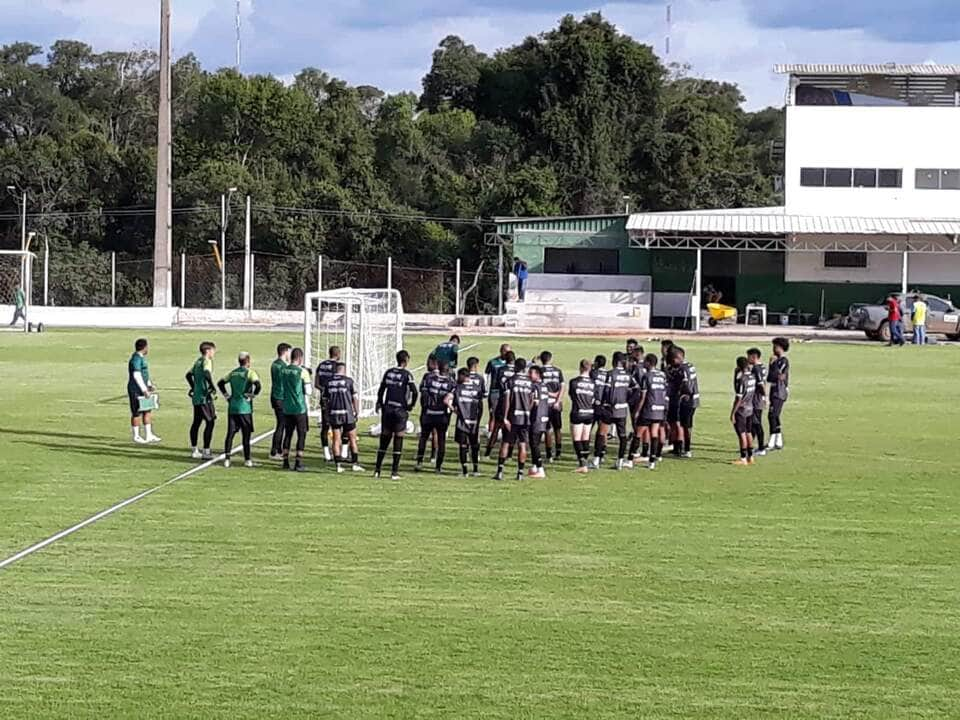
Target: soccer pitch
<point>820,583</point>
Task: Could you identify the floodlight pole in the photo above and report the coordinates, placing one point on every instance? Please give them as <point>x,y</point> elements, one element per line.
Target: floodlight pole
<point>247,261</point>
<point>163,227</point>
<point>695,300</point>
<point>457,302</point>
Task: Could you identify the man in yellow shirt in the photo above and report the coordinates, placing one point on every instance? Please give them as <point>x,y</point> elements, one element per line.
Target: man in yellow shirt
<point>919,320</point>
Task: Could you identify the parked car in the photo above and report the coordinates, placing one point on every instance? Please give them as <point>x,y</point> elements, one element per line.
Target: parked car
<point>943,318</point>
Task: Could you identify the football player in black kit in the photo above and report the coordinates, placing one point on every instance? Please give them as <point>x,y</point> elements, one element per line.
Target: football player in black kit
<point>600,376</point>
<point>325,370</point>
<point>468,405</point>
<point>502,374</point>
<point>620,384</point>
<point>583,400</point>
<point>684,390</point>
<point>436,398</point>
<point>539,422</point>
<point>343,402</point>
<point>759,398</point>
<point>652,412</point>
<point>519,398</point>
<point>553,385</point>
<point>741,415</point>
<point>779,378</point>
<point>395,399</point>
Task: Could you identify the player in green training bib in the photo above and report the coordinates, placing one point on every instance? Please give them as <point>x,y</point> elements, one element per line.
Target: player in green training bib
<point>297,385</point>
<point>276,399</point>
<point>139,386</point>
<point>202,394</point>
<point>239,388</point>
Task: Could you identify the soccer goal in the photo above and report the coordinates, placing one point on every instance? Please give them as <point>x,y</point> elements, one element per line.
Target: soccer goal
<point>367,326</point>
<point>16,277</point>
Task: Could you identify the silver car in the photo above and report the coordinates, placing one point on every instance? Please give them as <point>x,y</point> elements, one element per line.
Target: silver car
<point>943,318</point>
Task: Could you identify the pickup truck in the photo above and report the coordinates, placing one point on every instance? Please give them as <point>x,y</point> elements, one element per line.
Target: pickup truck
<point>943,318</point>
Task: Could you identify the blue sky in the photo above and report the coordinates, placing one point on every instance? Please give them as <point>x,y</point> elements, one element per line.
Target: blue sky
<point>388,43</point>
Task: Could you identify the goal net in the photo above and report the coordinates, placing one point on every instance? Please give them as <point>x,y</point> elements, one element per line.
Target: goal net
<point>367,326</point>
<point>16,273</point>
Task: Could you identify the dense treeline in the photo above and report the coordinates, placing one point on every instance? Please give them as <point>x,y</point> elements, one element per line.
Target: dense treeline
<point>568,122</point>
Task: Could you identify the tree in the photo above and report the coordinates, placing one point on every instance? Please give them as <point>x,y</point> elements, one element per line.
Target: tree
<point>453,77</point>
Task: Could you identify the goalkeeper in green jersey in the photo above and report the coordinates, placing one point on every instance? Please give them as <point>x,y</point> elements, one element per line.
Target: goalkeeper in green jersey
<point>202,393</point>
<point>239,388</point>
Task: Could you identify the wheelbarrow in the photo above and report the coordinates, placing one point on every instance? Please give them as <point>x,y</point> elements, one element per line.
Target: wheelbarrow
<point>718,313</point>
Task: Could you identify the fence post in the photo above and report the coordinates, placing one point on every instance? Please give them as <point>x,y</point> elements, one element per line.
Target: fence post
<point>247,270</point>
<point>113,278</point>
<point>500,278</point>
<point>457,301</point>
<point>46,272</point>
<point>253,265</point>
<point>183,279</point>
<point>390,273</point>
<point>319,273</point>
<point>441,292</point>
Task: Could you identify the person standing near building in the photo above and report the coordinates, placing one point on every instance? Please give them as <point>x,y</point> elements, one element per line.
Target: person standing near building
<point>239,388</point>
<point>139,385</point>
<point>778,376</point>
<point>19,306</point>
<point>919,320</point>
<point>520,270</point>
<point>895,320</point>
<point>276,399</point>
<point>202,393</point>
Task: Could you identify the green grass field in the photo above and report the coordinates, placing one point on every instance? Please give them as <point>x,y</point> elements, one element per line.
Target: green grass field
<point>820,583</point>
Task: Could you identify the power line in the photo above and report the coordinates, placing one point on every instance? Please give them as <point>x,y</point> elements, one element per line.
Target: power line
<point>326,212</point>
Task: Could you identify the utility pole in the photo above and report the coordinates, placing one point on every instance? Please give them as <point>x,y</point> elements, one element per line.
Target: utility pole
<point>163,228</point>
<point>238,36</point>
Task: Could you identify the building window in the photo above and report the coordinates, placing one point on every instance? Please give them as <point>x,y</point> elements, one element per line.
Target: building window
<point>849,177</point>
<point>811,177</point>
<point>938,179</point>
<point>845,260</point>
<point>838,177</point>
<point>889,178</point>
<point>864,178</point>
<point>581,261</point>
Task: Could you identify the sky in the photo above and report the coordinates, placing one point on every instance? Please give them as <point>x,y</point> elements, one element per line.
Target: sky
<point>388,43</point>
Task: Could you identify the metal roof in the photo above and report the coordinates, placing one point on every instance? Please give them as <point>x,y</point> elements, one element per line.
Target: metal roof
<point>888,69</point>
<point>775,221</point>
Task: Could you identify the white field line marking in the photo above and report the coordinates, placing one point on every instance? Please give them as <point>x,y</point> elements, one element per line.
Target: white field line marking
<point>119,506</point>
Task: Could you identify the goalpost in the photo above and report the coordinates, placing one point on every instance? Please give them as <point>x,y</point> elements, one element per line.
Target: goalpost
<point>16,272</point>
<point>367,326</point>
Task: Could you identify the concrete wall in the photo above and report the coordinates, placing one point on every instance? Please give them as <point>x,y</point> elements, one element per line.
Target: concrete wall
<point>871,137</point>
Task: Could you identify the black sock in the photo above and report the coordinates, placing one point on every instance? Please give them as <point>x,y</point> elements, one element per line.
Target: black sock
<point>556,450</point>
<point>354,458</point>
<point>475,457</point>
<point>645,450</point>
<point>463,458</point>
<point>743,453</point>
<point>421,449</point>
<point>382,451</point>
<point>634,445</point>
<point>500,466</point>
<point>656,447</point>
<point>750,452</point>
<point>687,439</point>
<point>397,453</point>
<point>520,466</point>
<point>623,447</point>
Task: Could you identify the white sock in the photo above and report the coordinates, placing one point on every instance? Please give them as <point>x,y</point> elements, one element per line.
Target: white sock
<point>136,432</point>
<point>148,430</point>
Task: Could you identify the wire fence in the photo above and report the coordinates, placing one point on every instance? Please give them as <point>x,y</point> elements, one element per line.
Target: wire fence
<point>278,282</point>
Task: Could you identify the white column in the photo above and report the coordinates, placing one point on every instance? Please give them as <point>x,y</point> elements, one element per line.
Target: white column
<point>223,252</point>
<point>247,270</point>
<point>500,277</point>
<point>46,271</point>
<point>113,278</point>
<point>24,266</point>
<point>697,292</point>
<point>183,279</point>
<point>905,271</point>
<point>253,266</point>
<point>457,302</point>
<point>390,273</point>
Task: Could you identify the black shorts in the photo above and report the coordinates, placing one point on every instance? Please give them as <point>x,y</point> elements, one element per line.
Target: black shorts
<point>134,404</point>
<point>648,420</point>
<point>758,415</point>
<point>620,424</point>
<point>581,419</point>
<point>240,423</point>
<point>685,416</point>
<point>743,424</point>
<point>463,437</point>
<point>518,434</point>
<point>344,428</point>
<point>603,416</point>
<point>556,418</point>
<point>300,423</point>
<point>673,412</point>
<point>206,412</point>
<point>393,421</point>
<point>429,423</point>
<point>498,412</point>
<point>494,401</point>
